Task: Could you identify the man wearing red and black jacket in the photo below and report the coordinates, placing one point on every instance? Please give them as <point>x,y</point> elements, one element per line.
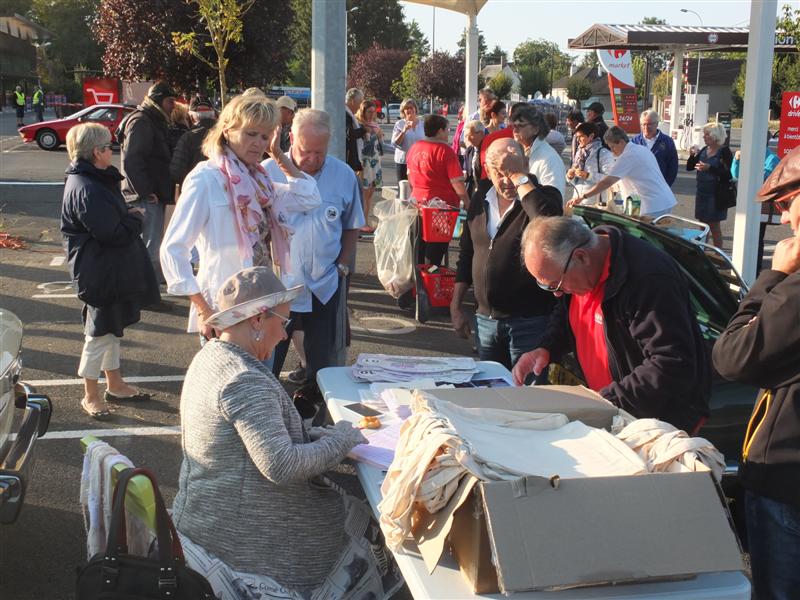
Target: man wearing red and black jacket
<point>512,311</point>
<point>761,346</point>
<point>626,313</point>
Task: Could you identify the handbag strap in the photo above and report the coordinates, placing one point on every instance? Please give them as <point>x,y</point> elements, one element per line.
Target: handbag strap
<point>169,545</point>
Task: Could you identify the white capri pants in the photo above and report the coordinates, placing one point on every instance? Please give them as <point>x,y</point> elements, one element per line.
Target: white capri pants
<point>99,354</point>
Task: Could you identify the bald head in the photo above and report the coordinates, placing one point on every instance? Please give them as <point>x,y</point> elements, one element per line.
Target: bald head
<point>504,157</point>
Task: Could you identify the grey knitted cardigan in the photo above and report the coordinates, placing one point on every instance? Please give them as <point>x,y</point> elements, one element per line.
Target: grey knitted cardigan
<point>245,492</point>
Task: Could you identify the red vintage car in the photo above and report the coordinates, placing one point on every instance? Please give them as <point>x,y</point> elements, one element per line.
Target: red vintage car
<point>51,134</point>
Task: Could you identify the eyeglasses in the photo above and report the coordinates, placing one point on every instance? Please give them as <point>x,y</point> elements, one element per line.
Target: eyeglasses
<point>783,205</point>
<point>520,124</point>
<point>104,147</point>
<point>557,288</point>
<point>285,320</point>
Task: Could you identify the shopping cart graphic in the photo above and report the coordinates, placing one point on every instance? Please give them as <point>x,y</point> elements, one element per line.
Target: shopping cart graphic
<point>101,97</point>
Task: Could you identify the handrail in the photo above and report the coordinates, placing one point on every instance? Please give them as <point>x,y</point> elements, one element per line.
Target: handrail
<point>139,498</point>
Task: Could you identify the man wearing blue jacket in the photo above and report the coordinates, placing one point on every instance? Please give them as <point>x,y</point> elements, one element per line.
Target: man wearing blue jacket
<point>660,144</point>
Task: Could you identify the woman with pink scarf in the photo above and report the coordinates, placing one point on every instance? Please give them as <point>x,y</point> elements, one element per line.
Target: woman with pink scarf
<point>230,210</point>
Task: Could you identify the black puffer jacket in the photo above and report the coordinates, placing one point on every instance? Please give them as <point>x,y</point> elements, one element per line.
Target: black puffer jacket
<point>189,151</point>
<point>658,361</point>
<point>102,239</point>
<point>146,156</point>
<point>503,286</point>
<point>761,346</point>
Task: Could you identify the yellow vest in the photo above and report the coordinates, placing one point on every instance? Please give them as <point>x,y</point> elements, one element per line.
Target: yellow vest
<point>37,97</point>
<point>20,98</point>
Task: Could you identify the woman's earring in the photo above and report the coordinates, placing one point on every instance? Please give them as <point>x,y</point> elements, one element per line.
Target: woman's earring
<point>257,336</point>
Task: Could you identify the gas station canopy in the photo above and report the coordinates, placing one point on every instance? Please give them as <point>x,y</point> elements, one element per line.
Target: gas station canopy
<point>654,37</point>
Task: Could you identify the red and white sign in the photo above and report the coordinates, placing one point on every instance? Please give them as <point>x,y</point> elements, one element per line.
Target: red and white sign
<point>622,87</point>
<point>98,90</point>
<point>789,133</point>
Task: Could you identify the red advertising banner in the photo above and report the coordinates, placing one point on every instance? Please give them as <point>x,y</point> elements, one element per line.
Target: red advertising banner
<point>789,133</point>
<point>98,90</point>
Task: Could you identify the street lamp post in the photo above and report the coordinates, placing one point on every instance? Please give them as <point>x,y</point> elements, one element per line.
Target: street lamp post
<point>699,56</point>
<point>346,39</point>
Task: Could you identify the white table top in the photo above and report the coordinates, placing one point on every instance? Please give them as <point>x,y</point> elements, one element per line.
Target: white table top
<point>339,388</point>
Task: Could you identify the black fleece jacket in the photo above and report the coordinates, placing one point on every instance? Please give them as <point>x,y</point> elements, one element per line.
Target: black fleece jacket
<point>502,285</point>
<point>658,361</point>
<point>761,346</point>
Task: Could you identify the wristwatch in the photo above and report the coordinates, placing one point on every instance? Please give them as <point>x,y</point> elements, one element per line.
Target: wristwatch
<point>343,269</point>
<point>522,181</point>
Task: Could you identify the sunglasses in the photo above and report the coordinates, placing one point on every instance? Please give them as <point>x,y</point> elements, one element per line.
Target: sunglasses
<point>556,289</point>
<point>286,321</point>
<point>783,205</point>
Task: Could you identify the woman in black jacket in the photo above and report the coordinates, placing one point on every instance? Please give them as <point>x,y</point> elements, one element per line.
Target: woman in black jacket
<point>108,261</point>
<point>713,165</point>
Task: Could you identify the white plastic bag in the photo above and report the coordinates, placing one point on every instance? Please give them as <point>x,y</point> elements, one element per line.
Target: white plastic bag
<point>393,252</point>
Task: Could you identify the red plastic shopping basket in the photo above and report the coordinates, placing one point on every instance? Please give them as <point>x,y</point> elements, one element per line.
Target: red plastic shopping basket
<point>438,223</point>
<point>439,284</point>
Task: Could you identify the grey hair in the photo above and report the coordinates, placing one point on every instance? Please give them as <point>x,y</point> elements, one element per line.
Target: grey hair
<point>353,94</point>
<point>716,131</point>
<point>488,92</point>
<point>84,138</point>
<point>318,120</point>
<point>556,237</point>
<point>615,134</point>
<point>533,115</point>
<point>646,115</point>
<point>473,126</point>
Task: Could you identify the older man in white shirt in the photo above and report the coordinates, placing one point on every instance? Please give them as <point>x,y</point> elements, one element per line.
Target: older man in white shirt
<point>637,171</point>
<point>530,131</point>
<point>323,243</point>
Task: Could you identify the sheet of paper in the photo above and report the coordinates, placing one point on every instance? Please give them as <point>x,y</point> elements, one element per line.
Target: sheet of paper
<point>380,450</point>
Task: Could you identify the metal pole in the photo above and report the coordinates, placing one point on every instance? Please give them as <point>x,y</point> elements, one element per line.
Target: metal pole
<point>328,22</point>
<point>433,48</point>
<point>470,66</point>
<point>676,90</point>
<point>760,52</point>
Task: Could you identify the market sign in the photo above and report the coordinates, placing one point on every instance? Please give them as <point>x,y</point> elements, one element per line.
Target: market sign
<point>789,133</point>
<point>622,87</point>
<point>100,90</point>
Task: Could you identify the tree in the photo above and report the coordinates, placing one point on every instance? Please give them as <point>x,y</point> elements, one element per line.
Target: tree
<point>223,20</point>
<point>653,21</point>
<point>300,40</point>
<point>501,85</point>
<point>441,75</point>
<point>375,21</point>
<point>419,43</point>
<point>589,61</point>
<point>545,57</point>
<point>532,80</point>
<point>662,85</point>
<point>462,46</point>
<point>496,56</point>
<point>137,42</point>
<point>70,23</point>
<point>407,86</point>
<point>375,69</point>
<point>578,88</point>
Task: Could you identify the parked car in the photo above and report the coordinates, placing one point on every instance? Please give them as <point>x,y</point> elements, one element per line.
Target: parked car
<point>24,413</point>
<point>392,111</point>
<point>51,134</point>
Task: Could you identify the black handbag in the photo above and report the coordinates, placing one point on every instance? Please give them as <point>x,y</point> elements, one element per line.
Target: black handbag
<point>726,194</point>
<point>117,575</point>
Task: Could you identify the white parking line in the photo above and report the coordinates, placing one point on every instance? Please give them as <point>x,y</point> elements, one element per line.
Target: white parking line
<point>37,383</point>
<point>54,296</point>
<point>57,261</point>
<point>115,432</point>
<point>31,182</point>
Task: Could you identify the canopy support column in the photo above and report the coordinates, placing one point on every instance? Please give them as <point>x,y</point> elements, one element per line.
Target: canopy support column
<point>760,51</point>
<point>328,46</point>
<point>471,67</point>
<point>677,81</point>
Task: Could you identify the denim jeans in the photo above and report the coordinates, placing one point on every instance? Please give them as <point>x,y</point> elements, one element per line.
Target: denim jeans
<point>153,232</point>
<point>773,536</point>
<point>505,340</point>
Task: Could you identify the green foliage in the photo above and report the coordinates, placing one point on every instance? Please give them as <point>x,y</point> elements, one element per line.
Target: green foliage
<point>300,40</point>
<point>70,23</point>
<point>789,23</point>
<point>532,80</point>
<point>652,21</point>
<point>578,88</point>
<point>407,86</point>
<point>785,77</point>
<point>639,65</point>
<point>419,43</point>
<point>376,21</point>
<point>589,61</point>
<point>546,58</point>
<point>501,85</point>
<point>462,46</point>
<point>662,85</point>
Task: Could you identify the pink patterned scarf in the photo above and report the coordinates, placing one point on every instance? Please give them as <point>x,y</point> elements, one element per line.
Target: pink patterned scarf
<point>252,198</point>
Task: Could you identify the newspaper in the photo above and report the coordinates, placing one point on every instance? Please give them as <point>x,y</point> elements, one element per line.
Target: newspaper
<point>396,369</point>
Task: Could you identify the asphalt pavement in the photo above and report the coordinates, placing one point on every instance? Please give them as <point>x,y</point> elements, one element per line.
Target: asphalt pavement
<point>39,553</point>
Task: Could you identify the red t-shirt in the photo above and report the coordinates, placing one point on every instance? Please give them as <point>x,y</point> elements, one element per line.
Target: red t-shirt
<point>586,320</point>
<point>431,166</point>
<point>508,132</point>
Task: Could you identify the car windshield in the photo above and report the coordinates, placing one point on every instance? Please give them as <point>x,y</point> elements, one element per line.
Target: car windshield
<point>81,112</point>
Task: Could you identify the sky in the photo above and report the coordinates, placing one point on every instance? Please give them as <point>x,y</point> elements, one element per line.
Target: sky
<point>507,23</point>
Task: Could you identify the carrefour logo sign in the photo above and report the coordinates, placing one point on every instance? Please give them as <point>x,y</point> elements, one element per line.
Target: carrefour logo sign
<point>794,101</point>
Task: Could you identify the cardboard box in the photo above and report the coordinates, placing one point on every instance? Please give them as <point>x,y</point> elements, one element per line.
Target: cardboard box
<point>539,533</point>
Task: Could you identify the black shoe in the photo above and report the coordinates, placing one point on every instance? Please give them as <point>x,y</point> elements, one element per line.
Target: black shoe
<point>406,300</point>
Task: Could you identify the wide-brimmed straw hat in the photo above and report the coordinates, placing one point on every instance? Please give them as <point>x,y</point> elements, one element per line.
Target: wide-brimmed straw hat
<point>784,180</point>
<point>247,293</point>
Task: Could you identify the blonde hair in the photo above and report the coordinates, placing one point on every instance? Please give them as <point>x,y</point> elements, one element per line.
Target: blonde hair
<point>180,114</point>
<point>405,104</point>
<point>716,131</point>
<point>319,120</point>
<point>84,138</point>
<point>474,126</point>
<point>362,110</point>
<point>240,112</point>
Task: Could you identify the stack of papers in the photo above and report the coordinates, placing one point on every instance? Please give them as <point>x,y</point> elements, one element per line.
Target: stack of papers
<point>396,369</point>
<point>379,453</point>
